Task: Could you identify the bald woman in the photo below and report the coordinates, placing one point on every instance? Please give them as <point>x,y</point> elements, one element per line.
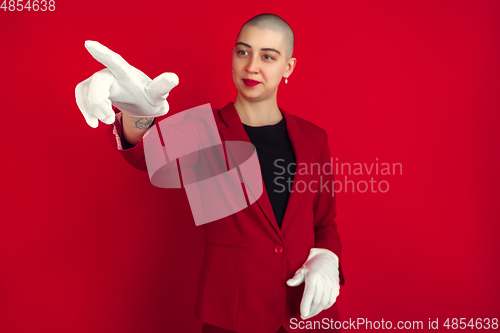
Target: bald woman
<point>274,266</point>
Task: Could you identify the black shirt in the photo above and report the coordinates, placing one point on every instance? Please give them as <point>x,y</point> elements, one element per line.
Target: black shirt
<point>275,154</point>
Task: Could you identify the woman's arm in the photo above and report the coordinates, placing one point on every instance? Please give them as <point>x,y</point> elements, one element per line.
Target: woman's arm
<point>134,128</point>
<point>325,226</point>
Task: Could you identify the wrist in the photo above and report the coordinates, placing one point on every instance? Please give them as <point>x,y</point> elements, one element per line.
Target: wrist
<point>323,252</point>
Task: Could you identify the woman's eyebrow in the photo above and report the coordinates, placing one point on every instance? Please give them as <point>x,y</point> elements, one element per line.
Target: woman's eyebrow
<point>264,49</point>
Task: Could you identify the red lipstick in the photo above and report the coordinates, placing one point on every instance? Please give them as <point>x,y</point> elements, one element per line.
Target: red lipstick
<point>250,83</point>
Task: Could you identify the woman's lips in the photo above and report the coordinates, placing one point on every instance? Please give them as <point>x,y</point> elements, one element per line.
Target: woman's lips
<point>250,83</point>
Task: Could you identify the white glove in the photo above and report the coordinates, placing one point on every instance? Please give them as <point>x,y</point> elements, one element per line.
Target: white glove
<point>123,86</point>
<point>321,275</point>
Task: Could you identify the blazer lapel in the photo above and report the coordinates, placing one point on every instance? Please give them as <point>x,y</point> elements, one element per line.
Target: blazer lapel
<point>303,147</point>
<point>236,132</point>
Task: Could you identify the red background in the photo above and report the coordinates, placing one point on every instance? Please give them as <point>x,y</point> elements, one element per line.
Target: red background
<point>87,244</point>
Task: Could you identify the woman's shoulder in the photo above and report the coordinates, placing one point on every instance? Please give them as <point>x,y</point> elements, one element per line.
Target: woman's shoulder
<point>316,132</point>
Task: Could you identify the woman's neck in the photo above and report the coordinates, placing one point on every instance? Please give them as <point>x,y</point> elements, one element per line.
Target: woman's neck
<point>260,113</point>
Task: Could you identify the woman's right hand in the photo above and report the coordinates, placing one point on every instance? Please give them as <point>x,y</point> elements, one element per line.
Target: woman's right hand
<point>123,86</point>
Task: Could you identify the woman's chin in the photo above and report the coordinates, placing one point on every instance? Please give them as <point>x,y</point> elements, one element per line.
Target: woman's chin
<point>251,95</point>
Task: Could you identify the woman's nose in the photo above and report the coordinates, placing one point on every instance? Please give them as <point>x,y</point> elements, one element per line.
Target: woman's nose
<point>252,65</point>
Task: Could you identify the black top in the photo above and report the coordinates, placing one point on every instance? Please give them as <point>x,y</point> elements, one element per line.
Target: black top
<point>275,153</point>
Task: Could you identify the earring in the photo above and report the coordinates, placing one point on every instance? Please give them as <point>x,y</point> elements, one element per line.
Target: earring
<point>286,79</point>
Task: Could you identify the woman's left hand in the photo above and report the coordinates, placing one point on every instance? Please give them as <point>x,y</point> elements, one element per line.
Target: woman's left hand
<point>322,282</point>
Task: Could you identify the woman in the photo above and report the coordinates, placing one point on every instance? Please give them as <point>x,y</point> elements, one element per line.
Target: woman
<point>276,262</point>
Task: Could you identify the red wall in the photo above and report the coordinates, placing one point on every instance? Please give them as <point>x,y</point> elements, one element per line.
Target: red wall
<point>87,244</point>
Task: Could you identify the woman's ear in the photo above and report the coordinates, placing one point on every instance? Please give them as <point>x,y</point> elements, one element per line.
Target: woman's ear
<point>290,66</point>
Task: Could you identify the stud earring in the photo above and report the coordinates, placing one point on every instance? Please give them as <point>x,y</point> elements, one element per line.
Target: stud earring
<point>286,79</point>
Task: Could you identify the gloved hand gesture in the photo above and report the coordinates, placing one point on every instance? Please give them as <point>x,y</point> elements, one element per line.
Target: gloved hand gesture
<point>123,86</point>
<point>321,275</point>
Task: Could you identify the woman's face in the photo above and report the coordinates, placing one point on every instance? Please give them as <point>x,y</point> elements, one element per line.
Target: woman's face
<point>259,55</point>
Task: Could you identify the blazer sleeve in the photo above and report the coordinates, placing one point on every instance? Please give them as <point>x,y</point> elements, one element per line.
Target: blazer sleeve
<point>325,227</point>
<point>186,135</point>
<point>132,154</point>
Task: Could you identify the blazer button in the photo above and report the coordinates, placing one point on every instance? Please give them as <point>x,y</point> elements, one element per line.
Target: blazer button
<point>278,249</point>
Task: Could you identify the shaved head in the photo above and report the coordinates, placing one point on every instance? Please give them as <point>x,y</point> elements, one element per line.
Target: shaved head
<point>275,23</point>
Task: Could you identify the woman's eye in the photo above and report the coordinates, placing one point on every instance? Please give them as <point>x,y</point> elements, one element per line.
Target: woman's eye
<point>241,52</point>
<point>268,57</point>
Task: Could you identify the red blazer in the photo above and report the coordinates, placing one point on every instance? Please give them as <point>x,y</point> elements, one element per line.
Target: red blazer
<point>248,258</point>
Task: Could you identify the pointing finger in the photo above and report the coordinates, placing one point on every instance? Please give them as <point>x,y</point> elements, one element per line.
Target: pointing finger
<point>157,91</point>
<point>112,60</point>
